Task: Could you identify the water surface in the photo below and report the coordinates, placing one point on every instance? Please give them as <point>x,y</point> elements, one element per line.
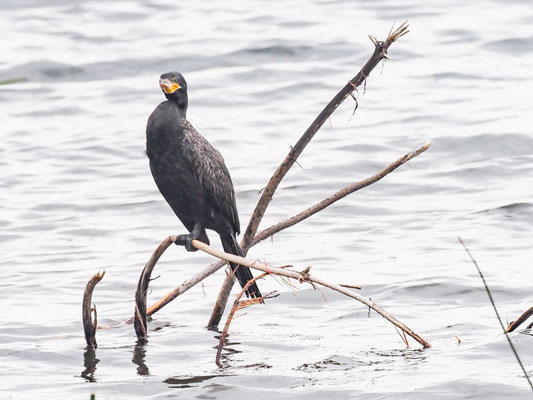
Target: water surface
<point>77,197</point>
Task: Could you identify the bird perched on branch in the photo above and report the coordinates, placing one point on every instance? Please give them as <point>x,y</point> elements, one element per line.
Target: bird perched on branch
<point>191,175</point>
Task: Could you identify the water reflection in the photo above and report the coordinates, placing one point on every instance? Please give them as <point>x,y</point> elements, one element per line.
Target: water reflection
<point>89,362</point>
<point>408,355</point>
<point>139,358</point>
<point>227,352</point>
<point>178,382</point>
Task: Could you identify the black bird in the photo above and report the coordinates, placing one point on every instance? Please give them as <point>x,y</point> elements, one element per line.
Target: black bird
<point>191,175</point>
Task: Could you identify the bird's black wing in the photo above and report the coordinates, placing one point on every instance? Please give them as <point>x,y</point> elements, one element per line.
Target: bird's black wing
<point>213,174</point>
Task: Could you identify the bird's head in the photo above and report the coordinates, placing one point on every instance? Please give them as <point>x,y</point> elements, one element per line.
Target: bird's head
<point>175,88</point>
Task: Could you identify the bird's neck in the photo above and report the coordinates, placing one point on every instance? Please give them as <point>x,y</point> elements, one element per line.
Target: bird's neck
<point>181,103</point>
<point>182,108</point>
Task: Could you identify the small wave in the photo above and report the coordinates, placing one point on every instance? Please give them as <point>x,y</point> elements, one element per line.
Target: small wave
<point>512,46</point>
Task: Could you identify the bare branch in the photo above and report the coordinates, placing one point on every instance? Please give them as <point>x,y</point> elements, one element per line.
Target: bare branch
<point>266,196</point>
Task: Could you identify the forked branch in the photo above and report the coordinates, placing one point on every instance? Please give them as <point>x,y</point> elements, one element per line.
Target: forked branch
<point>286,224</point>
<point>380,53</point>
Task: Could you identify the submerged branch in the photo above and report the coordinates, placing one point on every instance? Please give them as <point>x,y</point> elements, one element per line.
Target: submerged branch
<point>141,328</point>
<point>520,320</point>
<point>89,325</point>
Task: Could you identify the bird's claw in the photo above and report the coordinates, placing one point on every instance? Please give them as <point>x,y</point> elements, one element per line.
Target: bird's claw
<point>186,240</point>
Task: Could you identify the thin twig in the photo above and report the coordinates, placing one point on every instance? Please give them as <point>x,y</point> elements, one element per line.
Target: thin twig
<point>380,52</point>
<point>359,287</point>
<point>13,80</point>
<point>308,278</point>
<point>497,314</point>
<point>89,325</point>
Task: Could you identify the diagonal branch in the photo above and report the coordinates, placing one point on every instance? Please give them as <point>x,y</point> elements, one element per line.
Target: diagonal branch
<point>380,52</point>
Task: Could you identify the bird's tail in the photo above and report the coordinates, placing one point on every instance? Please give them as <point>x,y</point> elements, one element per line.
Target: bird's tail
<point>243,274</point>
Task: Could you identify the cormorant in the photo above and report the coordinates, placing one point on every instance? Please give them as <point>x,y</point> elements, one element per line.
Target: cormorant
<point>191,175</point>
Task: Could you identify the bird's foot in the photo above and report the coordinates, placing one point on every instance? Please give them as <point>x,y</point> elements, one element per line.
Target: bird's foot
<point>186,240</point>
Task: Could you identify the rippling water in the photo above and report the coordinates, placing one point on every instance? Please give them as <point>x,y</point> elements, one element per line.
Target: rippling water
<point>77,197</point>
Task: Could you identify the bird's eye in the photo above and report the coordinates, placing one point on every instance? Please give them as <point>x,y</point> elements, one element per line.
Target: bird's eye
<point>175,80</point>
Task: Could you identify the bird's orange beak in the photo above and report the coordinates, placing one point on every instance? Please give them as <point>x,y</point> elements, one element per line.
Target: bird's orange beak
<point>168,86</point>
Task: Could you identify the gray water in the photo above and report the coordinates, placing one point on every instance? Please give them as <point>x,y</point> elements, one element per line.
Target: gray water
<point>77,197</point>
